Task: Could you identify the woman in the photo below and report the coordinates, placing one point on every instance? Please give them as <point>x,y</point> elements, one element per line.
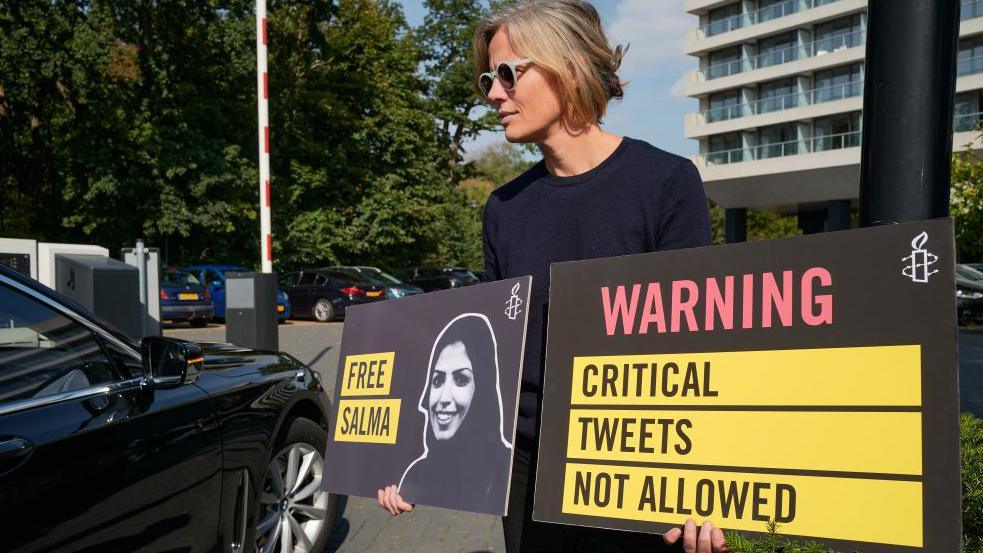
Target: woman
<point>547,69</point>
<point>464,447</point>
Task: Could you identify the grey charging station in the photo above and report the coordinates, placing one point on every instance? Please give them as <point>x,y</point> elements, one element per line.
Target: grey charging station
<point>107,287</point>
<point>152,256</point>
<point>250,310</point>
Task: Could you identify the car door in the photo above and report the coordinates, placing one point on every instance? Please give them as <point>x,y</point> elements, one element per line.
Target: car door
<point>304,292</point>
<point>92,458</point>
<point>215,282</point>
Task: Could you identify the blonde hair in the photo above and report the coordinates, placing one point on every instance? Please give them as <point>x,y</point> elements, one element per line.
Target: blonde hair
<point>565,38</point>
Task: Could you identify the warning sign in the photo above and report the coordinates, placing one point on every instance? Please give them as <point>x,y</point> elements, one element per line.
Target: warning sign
<point>809,381</point>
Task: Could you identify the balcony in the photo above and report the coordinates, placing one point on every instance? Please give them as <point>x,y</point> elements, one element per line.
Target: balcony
<point>762,15</point>
<point>785,55</point>
<point>967,122</point>
<point>784,102</point>
<point>969,66</point>
<point>971,10</point>
<point>782,149</point>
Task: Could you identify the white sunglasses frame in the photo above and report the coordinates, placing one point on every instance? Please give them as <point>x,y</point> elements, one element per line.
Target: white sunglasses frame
<point>512,65</point>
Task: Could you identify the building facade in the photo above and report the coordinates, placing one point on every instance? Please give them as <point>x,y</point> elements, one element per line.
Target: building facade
<point>780,92</point>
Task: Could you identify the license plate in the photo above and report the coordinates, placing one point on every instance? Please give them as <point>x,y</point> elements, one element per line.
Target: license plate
<point>187,297</point>
<point>374,294</point>
<point>280,309</point>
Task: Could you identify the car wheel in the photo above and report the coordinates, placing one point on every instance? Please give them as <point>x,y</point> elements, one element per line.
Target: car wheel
<point>199,323</point>
<point>323,311</point>
<point>295,513</point>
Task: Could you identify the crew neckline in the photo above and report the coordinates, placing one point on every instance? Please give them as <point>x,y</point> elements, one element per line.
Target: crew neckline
<point>554,180</point>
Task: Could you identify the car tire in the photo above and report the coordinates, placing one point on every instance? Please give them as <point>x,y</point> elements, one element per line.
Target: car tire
<point>297,503</point>
<point>323,311</point>
<point>199,323</point>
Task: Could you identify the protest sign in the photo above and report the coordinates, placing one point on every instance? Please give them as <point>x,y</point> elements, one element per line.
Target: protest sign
<point>808,381</point>
<point>426,396</point>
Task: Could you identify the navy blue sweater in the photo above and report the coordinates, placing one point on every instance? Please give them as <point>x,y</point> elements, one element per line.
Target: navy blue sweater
<point>640,199</point>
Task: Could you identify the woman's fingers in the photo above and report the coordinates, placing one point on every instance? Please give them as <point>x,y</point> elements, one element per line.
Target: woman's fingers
<point>689,536</point>
<point>672,536</point>
<point>703,542</point>
<point>718,541</point>
<point>403,505</point>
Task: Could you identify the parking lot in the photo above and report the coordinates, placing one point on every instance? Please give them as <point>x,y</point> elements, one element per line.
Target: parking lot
<point>364,528</point>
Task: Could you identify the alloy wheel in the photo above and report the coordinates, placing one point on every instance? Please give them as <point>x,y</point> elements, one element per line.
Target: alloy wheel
<point>293,506</point>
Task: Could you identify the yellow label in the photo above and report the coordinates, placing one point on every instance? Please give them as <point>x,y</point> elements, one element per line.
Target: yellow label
<point>367,420</point>
<point>882,511</point>
<point>871,442</point>
<point>369,374</point>
<point>881,375</point>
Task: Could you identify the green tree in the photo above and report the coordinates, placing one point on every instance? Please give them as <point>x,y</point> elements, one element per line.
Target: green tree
<point>445,38</point>
<point>761,225</point>
<point>966,202</point>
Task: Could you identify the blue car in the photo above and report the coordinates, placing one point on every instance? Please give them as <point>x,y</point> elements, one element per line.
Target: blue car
<point>184,299</point>
<point>213,277</point>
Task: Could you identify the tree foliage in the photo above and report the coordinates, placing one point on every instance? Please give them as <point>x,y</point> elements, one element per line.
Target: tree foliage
<point>125,118</point>
<point>966,203</point>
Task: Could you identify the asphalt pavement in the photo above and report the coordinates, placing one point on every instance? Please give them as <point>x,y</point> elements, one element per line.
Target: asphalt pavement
<point>362,527</point>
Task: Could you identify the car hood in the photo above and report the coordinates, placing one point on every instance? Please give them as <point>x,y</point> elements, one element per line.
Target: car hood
<point>233,360</point>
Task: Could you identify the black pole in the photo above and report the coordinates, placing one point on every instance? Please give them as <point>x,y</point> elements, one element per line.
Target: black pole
<point>910,81</point>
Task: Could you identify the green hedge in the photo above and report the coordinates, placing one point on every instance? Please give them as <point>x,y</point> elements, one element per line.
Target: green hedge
<point>971,460</point>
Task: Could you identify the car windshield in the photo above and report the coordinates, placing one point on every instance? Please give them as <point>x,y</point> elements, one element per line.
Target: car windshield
<point>381,277</point>
<point>179,277</point>
<point>351,276</point>
<point>460,273</point>
<point>968,273</point>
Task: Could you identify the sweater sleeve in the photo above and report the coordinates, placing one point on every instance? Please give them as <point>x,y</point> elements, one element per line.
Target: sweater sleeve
<point>492,270</point>
<point>684,220</point>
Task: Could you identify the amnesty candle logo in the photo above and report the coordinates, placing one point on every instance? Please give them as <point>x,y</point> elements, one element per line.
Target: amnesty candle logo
<point>512,306</point>
<point>920,260</point>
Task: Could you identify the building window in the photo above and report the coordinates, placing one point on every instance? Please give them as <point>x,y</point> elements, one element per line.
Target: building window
<point>838,34</point>
<point>970,58</point>
<point>724,62</point>
<point>777,95</point>
<point>967,112</point>
<point>777,49</point>
<point>777,141</point>
<point>774,9</point>
<point>970,9</point>
<point>725,19</point>
<point>836,132</point>
<point>725,148</point>
<point>726,105</point>
<point>838,83</point>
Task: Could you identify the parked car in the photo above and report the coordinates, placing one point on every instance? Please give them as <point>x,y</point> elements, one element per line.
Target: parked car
<point>324,294</point>
<point>184,299</point>
<point>437,278</point>
<point>107,444</point>
<point>395,288</point>
<point>977,266</point>
<point>213,276</point>
<point>481,274</point>
<point>969,294</point>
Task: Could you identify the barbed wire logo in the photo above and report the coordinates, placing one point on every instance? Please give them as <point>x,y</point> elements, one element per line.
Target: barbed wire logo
<point>918,263</point>
<point>512,307</point>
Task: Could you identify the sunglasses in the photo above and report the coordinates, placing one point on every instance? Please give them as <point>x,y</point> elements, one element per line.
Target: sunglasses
<point>505,72</point>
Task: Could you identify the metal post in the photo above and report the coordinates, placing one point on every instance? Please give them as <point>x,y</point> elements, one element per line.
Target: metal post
<point>262,89</point>
<point>906,153</point>
<point>141,254</point>
<point>735,225</point>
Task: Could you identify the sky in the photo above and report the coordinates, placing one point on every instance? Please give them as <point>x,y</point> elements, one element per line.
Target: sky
<point>654,105</point>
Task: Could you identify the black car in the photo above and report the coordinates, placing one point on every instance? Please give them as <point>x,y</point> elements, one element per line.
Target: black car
<point>166,445</point>
<point>324,294</point>
<point>437,278</point>
<point>394,287</point>
<point>969,294</point>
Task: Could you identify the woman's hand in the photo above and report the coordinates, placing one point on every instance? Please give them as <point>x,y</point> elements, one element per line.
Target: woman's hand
<point>707,539</point>
<point>390,500</point>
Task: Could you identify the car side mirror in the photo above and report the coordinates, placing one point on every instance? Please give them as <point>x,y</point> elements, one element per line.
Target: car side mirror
<point>169,362</point>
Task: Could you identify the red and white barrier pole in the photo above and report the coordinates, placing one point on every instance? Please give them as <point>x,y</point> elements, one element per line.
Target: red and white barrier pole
<point>262,86</point>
